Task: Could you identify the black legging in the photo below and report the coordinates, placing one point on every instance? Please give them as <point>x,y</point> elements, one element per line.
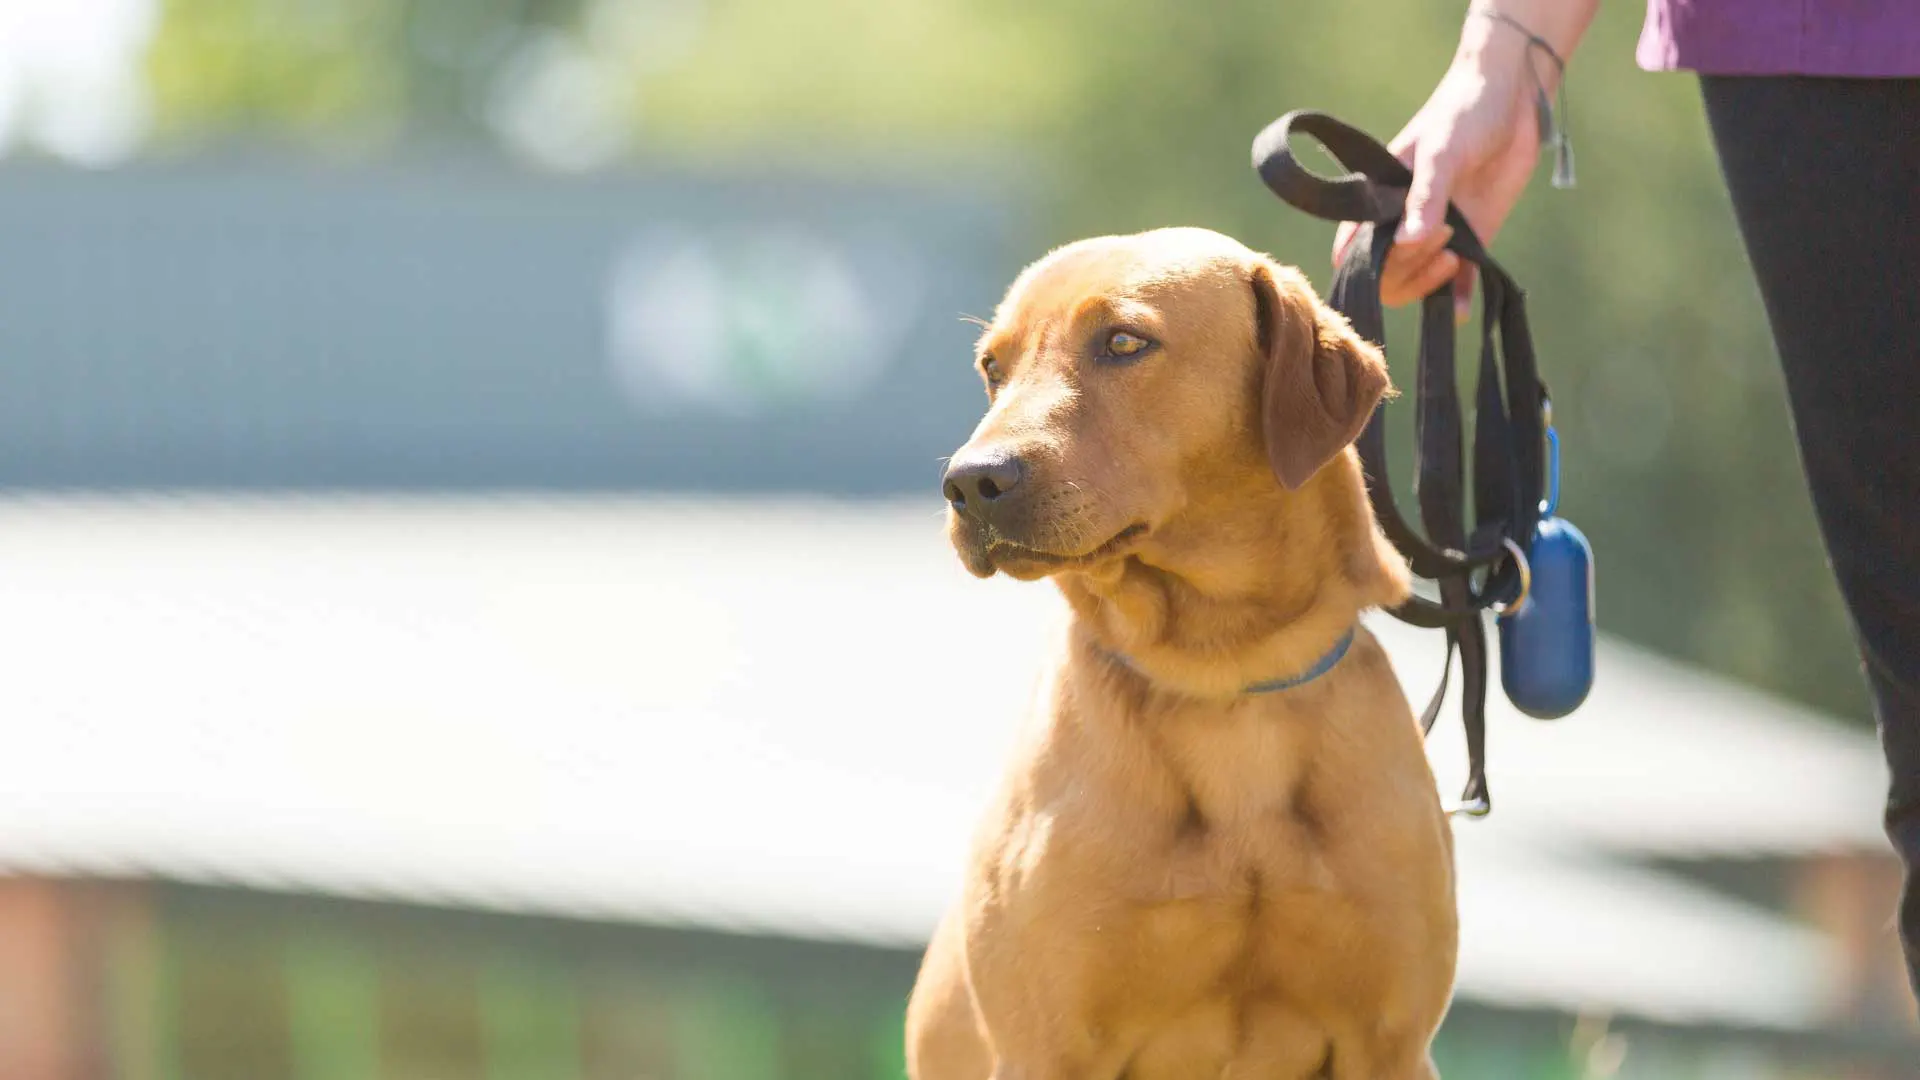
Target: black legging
<point>1825,178</point>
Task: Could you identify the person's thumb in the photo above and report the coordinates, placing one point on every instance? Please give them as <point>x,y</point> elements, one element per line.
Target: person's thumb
<point>1427,196</point>
<point>1341,238</point>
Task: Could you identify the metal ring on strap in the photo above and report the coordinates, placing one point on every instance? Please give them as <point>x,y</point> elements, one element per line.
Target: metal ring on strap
<point>1519,601</point>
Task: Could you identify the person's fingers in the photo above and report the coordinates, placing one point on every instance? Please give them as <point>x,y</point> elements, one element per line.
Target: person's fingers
<point>1414,253</point>
<point>1463,292</point>
<point>1415,282</point>
<point>1414,269</point>
<point>1403,144</point>
<point>1434,276</point>
<point>1341,238</point>
<point>1433,171</point>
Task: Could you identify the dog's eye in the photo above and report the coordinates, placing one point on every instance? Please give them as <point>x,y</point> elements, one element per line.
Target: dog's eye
<point>990,369</point>
<point>1122,345</point>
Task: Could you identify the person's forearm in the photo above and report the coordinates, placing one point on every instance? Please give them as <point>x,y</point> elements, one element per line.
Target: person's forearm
<point>1488,43</point>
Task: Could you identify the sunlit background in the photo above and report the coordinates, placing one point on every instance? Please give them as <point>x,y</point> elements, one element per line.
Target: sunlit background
<point>472,595</point>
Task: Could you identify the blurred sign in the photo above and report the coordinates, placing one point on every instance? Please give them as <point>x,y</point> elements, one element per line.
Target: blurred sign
<point>230,326</point>
<point>741,323</point>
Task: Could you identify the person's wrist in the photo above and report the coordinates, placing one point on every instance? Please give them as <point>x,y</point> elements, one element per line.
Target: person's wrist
<point>1490,75</point>
<point>1485,41</point>
<point>1491,54</point>
<point>1497,38</point>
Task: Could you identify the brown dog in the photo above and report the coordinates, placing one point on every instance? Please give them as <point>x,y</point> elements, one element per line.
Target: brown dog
<point>1180,878</point>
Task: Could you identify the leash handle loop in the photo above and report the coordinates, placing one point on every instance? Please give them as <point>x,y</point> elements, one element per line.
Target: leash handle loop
<point>1374,192</point>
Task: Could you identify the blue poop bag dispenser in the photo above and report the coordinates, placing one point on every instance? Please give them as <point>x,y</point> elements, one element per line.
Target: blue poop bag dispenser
<point>1547,633</point>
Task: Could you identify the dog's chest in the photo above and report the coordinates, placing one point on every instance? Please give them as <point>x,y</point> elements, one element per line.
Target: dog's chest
<point>1247,821</point>
<point>1238,770</point>
<point>1192,808</point>
<point>1190,854</point>
<point>1196,859</point>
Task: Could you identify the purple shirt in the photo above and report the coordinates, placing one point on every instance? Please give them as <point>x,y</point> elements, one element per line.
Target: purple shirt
<point>1865,38</point>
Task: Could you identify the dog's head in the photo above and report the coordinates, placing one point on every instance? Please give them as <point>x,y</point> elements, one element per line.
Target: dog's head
<point>1131,377</point>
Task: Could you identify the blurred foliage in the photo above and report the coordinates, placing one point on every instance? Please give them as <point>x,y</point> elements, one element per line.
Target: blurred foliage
<point>1114,115</point>
<point>334,73</point>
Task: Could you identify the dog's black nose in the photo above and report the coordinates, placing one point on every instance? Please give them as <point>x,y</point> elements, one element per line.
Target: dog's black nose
<point>973,484</point>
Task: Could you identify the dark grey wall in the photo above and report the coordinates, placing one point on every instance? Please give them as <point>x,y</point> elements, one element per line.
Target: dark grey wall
<point>248,326</point>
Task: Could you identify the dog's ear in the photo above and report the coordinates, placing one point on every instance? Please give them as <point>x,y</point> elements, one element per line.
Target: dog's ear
<point>1320,381</point>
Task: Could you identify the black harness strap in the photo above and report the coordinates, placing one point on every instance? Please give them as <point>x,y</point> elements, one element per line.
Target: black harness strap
<point>1472,570</point>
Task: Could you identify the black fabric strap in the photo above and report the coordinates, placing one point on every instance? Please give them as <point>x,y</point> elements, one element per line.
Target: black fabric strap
<point>1474,569</point>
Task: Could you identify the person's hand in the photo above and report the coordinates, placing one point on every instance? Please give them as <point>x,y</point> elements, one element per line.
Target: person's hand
<point>1475,142</point>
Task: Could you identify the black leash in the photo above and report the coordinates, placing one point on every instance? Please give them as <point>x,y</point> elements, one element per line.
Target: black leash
<point>1475,570</point>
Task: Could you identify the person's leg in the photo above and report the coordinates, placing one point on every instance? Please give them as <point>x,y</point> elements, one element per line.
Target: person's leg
<point>1825,179</point>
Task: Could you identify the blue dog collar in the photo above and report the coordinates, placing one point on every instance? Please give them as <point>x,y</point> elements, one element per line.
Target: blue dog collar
<point>1319,668</point>
<point>1273,686</point>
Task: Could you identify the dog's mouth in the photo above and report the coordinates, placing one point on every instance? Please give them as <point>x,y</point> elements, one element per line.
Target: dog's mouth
<point>1011,556</point>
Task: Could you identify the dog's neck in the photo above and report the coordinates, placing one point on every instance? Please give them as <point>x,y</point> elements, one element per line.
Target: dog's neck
<point>1253,584</point>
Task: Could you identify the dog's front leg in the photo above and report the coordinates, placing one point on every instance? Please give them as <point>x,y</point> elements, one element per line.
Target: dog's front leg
<point>1038,1007</point>
<point>1014,1072</point>
<point>1039,1042</point>
<point>1101,1067</point>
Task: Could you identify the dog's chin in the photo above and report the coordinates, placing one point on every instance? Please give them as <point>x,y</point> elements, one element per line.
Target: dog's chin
<point>985,553</point>
<point>973,555</point>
